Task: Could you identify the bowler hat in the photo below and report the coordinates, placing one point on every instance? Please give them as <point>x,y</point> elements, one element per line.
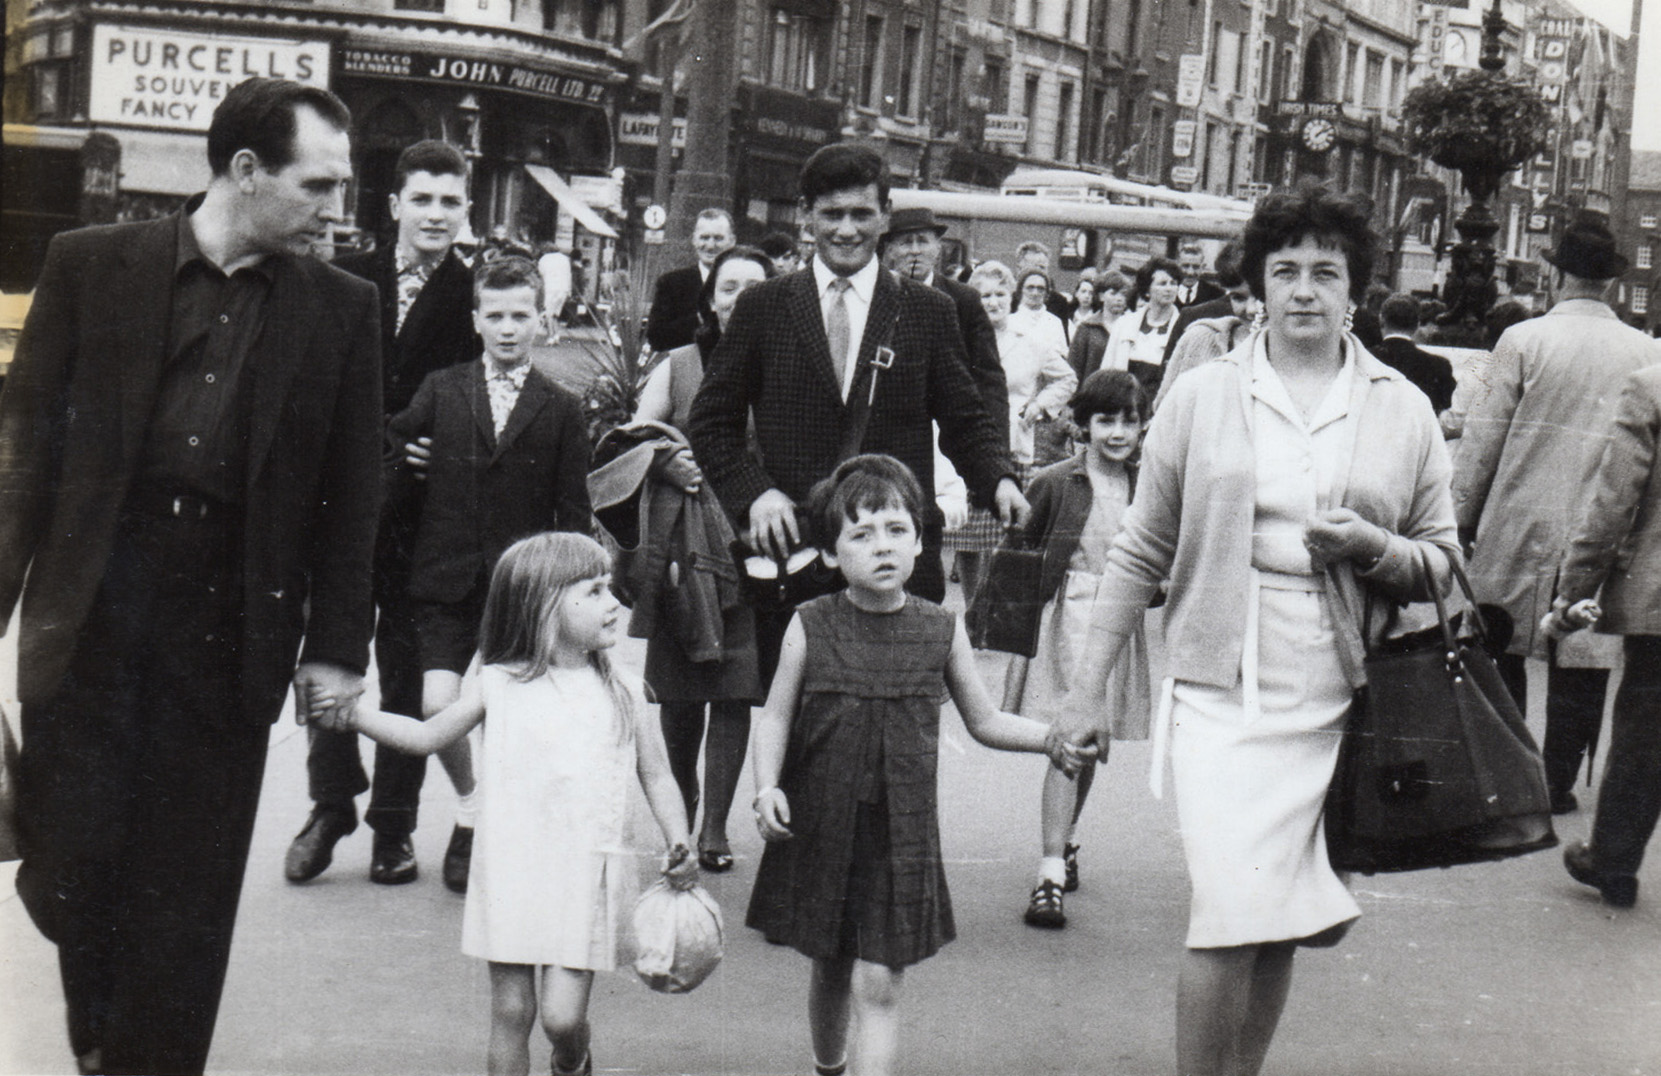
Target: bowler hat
<point>914,219</point>
<point>1588,249</point>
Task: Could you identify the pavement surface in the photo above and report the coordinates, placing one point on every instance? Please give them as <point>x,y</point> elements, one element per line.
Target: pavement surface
<point>1507,968</point>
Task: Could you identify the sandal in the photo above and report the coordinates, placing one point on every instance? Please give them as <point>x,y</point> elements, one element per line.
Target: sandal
<point>714,860</point>
<point>1071,884</point>
<point>1045,910</point>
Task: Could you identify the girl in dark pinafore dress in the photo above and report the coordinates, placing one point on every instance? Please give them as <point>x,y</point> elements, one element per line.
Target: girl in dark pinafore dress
<point>845,759</point>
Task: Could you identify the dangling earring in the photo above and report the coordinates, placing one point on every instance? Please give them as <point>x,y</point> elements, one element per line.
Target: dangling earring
<point>1349,318</point>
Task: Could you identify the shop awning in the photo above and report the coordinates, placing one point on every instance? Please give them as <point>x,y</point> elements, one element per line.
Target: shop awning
<point>163,162</point>
<point>561,192</point>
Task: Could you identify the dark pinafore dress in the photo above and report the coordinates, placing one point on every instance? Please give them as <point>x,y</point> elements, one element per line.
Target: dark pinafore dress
<point>862,876</point>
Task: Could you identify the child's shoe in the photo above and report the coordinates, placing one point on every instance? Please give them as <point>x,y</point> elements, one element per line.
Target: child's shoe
<point>584,1069</point>
<point>1045,909</point>
<point>1071,856</point>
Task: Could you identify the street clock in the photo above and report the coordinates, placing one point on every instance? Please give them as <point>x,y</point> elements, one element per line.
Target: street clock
<point>1319,133</point>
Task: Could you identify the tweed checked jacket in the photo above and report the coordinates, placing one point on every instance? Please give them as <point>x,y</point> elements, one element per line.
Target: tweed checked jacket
<point>773,361</point>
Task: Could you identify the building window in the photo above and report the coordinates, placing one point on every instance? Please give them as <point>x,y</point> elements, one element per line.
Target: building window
<point>911,51</point>
<point>1064,149</point>
<point>1069,15</point>
<point>1096,123</point>
<point>1029,105</point>
<point>1288,60</point>
<point>1640,299</point>
<point>870,75</point>
<point>1133,25</point>
<point>997,87</point>
<point>1397,87</point>
<point>1215,60</point>
<point>956,68</point>
<point>795,51</point>
<point>438,7</point>
<point>1372,90</point>
<point>1266,72</point>
<point>1206,149</point>
<point>1646,257</point>
<point>1352,73</point>
<point>47,101</point>
<point>1647,220</point>
<point>1157,137</point>
<point>1032,14</point>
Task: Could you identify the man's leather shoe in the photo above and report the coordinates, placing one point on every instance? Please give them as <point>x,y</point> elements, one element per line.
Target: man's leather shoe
<point>392,862</point>
<point>1619,890</point>
<point>313,848</point>
<point>1564,803</point>
<point>458,858</point>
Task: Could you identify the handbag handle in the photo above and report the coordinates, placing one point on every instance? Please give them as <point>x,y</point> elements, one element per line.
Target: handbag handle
<point>1449,639</point>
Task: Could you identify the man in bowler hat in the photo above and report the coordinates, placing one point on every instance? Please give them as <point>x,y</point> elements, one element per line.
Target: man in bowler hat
<point>1525,473</point>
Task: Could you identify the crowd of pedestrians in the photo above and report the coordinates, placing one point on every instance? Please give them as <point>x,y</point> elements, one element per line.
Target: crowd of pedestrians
<point>270,464</point>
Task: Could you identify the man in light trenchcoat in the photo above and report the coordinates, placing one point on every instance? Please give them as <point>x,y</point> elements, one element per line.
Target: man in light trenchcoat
<point>1524,473</point>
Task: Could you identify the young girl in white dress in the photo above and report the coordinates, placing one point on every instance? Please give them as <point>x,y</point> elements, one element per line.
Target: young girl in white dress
<point>552,878</point>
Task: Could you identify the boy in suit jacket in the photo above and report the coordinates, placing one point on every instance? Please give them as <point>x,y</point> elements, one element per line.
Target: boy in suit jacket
<point>426,324</point>
<point>509,459</point>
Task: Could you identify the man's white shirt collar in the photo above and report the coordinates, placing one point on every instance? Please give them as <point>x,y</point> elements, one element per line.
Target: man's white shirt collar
<point>862,284</point>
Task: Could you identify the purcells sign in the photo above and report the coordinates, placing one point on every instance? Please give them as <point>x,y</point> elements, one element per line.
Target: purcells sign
<point>143,77</point>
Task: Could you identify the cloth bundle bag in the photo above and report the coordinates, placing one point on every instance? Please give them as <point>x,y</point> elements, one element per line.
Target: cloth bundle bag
<point>1437,767</point>
<point>678,937</point>
<point>1008,605</point>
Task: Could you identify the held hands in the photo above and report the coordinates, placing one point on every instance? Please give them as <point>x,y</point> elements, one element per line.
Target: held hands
<point>680,870</point>
<point>1565,618</point>
<point>773,525</point>
<point>1070,749</point>
<point>773,815</point>
<point>1339,534</point>
<point>326,695</point>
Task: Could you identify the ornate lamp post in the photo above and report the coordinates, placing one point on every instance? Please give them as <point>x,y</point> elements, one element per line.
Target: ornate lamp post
<point>1482,124</point>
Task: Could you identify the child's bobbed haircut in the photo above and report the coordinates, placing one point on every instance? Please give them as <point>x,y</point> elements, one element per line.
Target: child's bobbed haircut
<point>1108,392</point>
<point>872,482</point>
<point>519,626</point>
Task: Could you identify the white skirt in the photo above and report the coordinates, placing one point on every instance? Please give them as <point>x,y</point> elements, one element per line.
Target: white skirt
<point>1251,770</point>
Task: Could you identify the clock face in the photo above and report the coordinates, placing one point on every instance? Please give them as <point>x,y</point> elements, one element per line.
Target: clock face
<point>1319,134</point>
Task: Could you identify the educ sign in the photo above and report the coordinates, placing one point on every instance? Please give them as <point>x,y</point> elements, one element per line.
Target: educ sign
<point>143,77</point>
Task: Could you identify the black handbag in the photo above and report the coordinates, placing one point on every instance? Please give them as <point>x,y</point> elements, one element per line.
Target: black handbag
<point>1437,767</point>
<point>1007,605</point>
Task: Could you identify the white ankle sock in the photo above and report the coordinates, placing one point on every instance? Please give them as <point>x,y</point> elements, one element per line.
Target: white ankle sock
<point>467,809</point>
<point>1054,869</point>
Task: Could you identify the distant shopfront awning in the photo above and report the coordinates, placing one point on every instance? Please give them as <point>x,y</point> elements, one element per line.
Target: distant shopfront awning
<point>163,162</point>
<point>573,204</point>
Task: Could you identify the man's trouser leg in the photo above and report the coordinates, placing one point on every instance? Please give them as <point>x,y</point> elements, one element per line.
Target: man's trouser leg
<point>1629,801</point>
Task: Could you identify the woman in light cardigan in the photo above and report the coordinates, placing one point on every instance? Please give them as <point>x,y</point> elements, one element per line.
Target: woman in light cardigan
<point>1275,483</point>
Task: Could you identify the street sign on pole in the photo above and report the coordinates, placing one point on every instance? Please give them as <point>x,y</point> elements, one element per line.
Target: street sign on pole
<point>1182,138</point>
<point>1190,78</point>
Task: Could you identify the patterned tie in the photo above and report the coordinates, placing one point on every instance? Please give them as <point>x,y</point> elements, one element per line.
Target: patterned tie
<point>836,327</point>
<point>503,390</point>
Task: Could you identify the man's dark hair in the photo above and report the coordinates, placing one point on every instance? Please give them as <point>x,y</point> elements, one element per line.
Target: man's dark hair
<point>504,273</point>
<point>258,115</point>
<point>1400,312</point>
<point>1108,392</point>
<point>777,245</point>
<point>841,166</point>
<point>872,482</point>
<point>1504,315</point>
<point>431,156</point>
<point>1311,210</point>
<point>1227,266</point>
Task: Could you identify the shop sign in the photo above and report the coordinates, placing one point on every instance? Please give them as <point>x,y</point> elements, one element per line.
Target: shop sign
<point>409,65</point>
<point>1185,175</point>
<point>791,122</point>
<point>1326,109</point>
<point>1539,222</point>
<point>1182,138</point>
<point>1581,150</point>
<point>641,128</point>
<point>1005,129</point>
<point>1190,79</point>
<point>146,77</point>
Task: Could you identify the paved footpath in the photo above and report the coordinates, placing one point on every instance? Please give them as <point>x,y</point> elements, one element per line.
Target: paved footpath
<point>1507,968</point>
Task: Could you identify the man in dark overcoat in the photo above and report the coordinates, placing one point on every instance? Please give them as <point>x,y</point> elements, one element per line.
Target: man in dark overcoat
<point>189,482</point>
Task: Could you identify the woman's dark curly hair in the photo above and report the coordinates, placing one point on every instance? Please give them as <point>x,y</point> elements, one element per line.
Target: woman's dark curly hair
<point>1310,209</point>
<point>708,333</point>
<point>1144,275</point>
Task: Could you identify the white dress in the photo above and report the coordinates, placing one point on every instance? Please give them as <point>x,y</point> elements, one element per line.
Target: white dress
<point>552,881</point>
<point>1251,764</point>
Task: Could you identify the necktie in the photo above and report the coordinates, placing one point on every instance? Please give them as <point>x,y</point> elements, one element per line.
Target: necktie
<point>836,327</point>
